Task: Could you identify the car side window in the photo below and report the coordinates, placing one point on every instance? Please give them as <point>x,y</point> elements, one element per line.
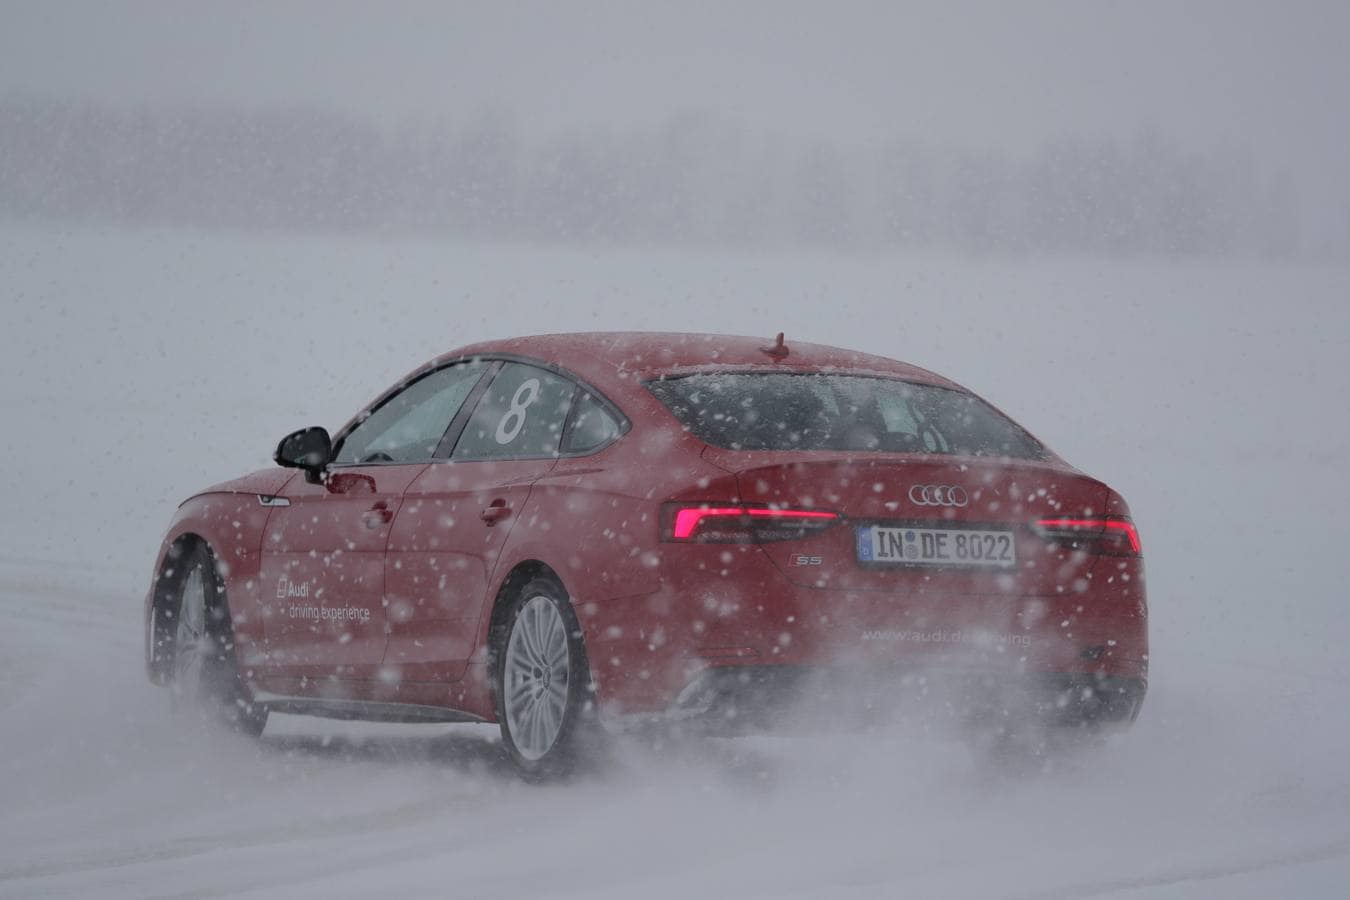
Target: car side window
<point>592,426</point>
<point>521,415</point>
<point>408,427</point>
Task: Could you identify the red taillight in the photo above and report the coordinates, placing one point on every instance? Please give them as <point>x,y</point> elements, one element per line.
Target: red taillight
<point>1114,537</point>
<point>738,523</point>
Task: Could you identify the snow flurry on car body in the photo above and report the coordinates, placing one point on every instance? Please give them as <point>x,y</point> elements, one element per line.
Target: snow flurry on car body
<point>564,532</point>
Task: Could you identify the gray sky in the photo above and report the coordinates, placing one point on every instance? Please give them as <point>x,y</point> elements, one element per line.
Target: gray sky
<point>1273,75</point>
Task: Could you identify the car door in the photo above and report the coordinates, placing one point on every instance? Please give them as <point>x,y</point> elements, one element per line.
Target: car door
<point>457,515</point>
<point>323,556</point>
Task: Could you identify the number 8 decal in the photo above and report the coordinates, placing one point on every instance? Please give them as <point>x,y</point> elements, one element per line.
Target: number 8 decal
<point>506,433</point>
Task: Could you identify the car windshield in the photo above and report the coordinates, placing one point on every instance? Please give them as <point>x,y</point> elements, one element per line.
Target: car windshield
<point>779,411</point>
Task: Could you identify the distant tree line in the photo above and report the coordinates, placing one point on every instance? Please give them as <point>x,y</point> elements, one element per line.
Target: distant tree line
<point>693,179</point>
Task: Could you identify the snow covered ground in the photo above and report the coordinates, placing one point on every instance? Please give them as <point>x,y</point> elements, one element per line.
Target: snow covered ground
<point>135,368</point>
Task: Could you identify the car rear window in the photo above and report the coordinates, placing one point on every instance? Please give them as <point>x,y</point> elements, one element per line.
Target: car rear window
<point>780,411</point>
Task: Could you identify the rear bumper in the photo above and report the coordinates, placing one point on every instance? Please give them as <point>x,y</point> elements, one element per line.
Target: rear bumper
<point>646,651</point>
<point>739,699</point>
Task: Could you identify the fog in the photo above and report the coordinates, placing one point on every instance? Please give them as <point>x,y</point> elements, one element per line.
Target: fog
<point>204,244</point>
<point>1212,128</point>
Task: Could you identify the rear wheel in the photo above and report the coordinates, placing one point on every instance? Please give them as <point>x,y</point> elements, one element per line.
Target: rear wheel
<point>544,699</point>
<point>203,677</point>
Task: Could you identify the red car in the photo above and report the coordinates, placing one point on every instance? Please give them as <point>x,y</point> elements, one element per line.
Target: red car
<point>551,531</point>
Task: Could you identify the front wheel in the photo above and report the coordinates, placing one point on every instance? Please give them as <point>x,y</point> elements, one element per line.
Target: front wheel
<point>203,677</point>
<point>544,698</point>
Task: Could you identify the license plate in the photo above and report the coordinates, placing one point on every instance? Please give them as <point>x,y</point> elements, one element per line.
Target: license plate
<point>936,547</point>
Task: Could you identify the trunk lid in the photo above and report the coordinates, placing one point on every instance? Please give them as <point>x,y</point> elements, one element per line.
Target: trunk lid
<point>917,498</point>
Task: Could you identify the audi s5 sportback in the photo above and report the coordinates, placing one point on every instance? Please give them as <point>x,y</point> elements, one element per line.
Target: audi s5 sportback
<point>567,532</point>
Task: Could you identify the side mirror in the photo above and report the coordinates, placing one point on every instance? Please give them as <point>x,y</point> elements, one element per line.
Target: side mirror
<point>310,449</point>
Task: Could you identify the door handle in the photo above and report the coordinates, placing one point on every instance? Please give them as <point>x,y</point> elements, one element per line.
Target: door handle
<point>378,515</point>
<point>495,511</point>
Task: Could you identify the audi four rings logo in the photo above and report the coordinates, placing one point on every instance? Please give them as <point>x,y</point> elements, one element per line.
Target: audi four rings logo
<point>938,495</point>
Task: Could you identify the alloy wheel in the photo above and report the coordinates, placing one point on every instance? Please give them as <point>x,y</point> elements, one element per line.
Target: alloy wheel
<point>536,673</point>
<point>192,644</point>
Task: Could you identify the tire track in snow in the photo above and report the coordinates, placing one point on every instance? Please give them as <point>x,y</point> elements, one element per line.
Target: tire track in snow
<point>182,848</point>
<point>1197,874</point>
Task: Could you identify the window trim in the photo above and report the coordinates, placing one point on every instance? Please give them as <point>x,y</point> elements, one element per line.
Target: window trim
<point>461,419</point>
<point>609,408</point>
<point>494,363</point>
<point>579,385</point>
<point>501,367</point>
<point>1044,452</point>
<point>470,400</point>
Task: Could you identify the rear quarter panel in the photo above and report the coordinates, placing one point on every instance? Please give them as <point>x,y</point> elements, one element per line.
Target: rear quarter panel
<point>594,520</point>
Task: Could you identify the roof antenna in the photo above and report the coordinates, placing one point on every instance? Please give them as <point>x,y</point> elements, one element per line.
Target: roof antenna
<point>779,349</point>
